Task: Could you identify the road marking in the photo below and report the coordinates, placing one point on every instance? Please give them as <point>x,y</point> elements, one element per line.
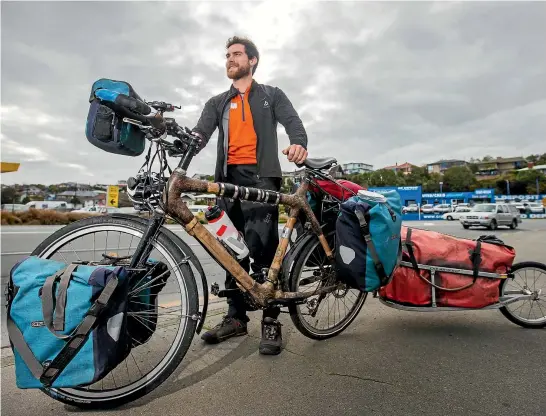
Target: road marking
<point>27,232</point>
<point>429,224</point>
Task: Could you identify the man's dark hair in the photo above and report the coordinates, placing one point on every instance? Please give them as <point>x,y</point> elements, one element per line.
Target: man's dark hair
<point>250,48</point>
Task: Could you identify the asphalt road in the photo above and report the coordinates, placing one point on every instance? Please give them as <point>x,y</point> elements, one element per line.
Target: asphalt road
<point>388,362</point>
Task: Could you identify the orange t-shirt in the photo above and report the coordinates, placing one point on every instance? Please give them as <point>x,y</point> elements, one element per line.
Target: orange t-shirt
<point>242,137</point>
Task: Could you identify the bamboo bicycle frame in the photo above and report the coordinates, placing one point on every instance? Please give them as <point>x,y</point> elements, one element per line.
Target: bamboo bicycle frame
<point>266,293</point>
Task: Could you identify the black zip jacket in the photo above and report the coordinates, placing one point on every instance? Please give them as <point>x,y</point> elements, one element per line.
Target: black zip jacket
<point>269,106</point>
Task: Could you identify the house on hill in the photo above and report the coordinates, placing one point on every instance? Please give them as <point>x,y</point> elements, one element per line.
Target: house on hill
<point>405,168</point>
<point>442,165</point>
<point>496,167</point>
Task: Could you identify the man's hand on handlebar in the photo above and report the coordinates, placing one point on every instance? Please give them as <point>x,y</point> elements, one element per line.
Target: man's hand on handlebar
<point>295,153</point>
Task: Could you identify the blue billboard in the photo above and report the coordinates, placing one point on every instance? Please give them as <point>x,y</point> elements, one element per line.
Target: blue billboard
<point>410,196</point>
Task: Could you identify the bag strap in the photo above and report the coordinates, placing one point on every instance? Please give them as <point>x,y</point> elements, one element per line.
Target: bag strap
<point>71,348</point>
<point>18,341</point>
<point>474,256</point>
<point>48,294</point>
<point>409,246</point>
<point>365,229</point>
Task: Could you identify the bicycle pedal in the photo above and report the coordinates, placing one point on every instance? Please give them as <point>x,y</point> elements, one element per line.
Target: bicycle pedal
<point>226,293</point>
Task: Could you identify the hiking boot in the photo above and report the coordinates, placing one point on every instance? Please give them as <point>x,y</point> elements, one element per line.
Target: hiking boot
<point>271,337</point>
<point>229,327</point>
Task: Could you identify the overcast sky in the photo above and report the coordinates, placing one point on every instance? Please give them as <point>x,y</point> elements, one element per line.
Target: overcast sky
<point>379,83</point>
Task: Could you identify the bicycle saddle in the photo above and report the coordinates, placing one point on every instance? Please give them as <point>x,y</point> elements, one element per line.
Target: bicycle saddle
<point>319,163</point>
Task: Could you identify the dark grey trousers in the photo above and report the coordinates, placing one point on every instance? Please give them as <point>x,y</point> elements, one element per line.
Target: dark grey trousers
<point>259,225</point>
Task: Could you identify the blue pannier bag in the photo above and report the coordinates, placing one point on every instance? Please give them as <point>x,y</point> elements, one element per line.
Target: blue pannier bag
<point>368,240</point>
<point>105,127</point>
<point>67,323</point>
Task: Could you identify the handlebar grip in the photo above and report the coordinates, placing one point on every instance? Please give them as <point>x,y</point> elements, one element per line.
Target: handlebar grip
<point>132,104</point>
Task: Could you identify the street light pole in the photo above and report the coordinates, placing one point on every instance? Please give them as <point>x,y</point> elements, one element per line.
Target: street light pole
<point>507,186</point>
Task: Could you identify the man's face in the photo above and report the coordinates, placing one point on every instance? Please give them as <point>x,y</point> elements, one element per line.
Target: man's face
<point>237,62</point>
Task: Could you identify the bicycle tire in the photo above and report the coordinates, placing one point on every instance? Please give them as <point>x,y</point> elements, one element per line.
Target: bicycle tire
<point>185,340</point>
<point>294,274</point>
<point>506,312</point>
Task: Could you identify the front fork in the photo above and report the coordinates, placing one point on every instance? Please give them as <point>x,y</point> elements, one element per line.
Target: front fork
<point>144,247</point>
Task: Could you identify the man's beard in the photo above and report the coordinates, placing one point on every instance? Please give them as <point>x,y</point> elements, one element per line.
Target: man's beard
<point>241,72</point>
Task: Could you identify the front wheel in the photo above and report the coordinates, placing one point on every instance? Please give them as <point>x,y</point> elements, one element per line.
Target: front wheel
<point>151,360</point>
<point>321,316</point>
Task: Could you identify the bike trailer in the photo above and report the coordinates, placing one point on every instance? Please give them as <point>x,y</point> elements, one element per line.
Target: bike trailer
<point>447,271</point>
<point>67,323</point>
<point>105,127</point>
<point>368,239</point>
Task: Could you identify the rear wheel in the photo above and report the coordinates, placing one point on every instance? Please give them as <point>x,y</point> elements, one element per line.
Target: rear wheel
<point>514,224</point>
<point>148,364</point>
<point>529,279</point>
<point>321,316</point>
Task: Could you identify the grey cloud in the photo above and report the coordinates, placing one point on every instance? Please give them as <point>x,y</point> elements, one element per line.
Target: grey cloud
<point>377,82</point>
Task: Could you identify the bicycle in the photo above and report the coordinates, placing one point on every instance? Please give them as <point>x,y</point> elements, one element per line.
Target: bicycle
<point>160,196</point>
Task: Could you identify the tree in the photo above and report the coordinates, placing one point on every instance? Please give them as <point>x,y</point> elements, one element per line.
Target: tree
<point>418,176</point>
<point>286,189</point>
<point>25,200</point>
<point>383,177</point>
<point>458,179</point>
<point>8,195</point>
<point>432,182</point>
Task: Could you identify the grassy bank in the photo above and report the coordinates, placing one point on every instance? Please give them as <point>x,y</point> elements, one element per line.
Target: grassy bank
<point>50,217</point>
<point>41,217</point>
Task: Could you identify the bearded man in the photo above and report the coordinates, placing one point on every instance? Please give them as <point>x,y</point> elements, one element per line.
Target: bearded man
<point>247,155</point>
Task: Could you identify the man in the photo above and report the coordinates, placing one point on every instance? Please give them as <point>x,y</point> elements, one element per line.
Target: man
<point>247,116</point>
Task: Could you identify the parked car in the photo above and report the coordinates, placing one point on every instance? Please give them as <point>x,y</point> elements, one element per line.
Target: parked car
<point>410,208</point>
<point>427,209</point>
<point>491,216</point>
<point>534,208</point>
<point>95,209</point>
<point>442,208</point>
<point>455,215</point>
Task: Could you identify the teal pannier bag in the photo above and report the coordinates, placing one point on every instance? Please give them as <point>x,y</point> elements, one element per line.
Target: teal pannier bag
<point>368,239</point>
<point>67,323</point>
<point>105,127</point>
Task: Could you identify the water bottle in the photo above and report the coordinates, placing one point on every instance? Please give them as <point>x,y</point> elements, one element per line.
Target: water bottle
<point>223,229</point>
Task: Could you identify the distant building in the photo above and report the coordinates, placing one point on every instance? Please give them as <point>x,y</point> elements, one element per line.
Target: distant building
<point>498,166</point>
<point>88,198</point>
<point>294,176</point>
<point>540,168</point>
<point>442,165</point>
<point>405,168</point>
<point>356,167</point>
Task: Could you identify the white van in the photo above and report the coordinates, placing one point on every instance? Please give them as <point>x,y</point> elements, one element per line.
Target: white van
<point>55,205</point>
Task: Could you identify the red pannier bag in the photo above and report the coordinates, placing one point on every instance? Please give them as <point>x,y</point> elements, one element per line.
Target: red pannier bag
<point>437,249</point>
<point>331,188</point>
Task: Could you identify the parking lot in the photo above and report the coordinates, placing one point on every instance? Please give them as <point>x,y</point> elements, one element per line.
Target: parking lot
<point>388,362</point>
